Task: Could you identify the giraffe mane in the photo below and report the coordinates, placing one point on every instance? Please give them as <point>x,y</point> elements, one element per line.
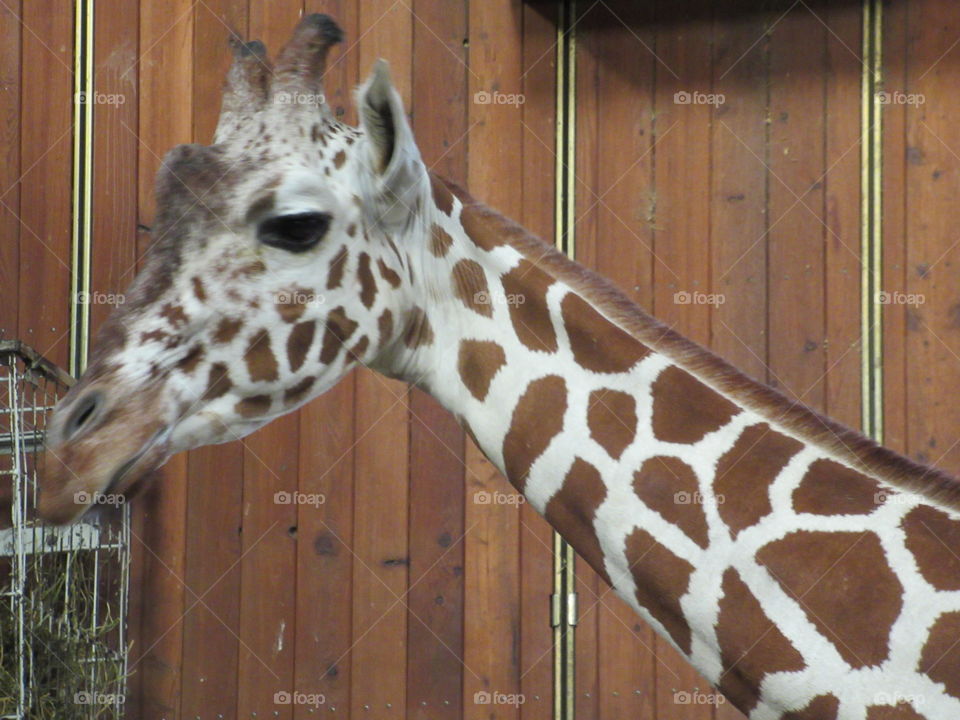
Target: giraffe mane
<point>844,443</point>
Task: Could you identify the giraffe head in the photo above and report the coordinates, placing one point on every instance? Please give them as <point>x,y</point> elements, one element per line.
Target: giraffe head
<point>279,261</point>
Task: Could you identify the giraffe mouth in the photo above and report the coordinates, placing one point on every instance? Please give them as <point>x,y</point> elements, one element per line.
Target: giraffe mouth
<point>116,484</point>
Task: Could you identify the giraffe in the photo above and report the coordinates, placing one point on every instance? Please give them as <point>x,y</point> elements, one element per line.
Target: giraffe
<point>804,570</point>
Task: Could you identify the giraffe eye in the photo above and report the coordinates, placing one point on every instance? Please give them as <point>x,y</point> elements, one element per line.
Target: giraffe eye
<point>297,233</point>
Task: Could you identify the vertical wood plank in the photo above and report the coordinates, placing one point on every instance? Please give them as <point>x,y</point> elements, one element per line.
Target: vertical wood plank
<point>165,69</point>
<point>45,187</point>
<point>796,239</point>
<point>933,141</point>
<point>896,318</point>
<point>841,180</point>
<point>492,632</point>
<point>435,602</point>
<point>10,69</point>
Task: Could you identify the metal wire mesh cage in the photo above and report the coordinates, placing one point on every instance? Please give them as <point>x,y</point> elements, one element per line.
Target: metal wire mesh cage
<point>63,590</point>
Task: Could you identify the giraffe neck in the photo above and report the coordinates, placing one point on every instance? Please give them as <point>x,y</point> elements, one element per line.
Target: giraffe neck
<point>797,565</point>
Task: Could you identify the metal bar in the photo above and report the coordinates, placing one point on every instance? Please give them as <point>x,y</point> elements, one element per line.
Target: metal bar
<point>871,238</point>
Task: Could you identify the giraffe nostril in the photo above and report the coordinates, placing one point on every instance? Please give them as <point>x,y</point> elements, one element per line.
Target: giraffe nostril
<point>86,408</point>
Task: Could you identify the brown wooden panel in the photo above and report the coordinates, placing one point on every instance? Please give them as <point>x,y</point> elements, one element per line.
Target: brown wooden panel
<point>895,214</point>
<point>842,148</point>
<point>10,58</point>
<point>165,70</point>
<point>796,236</point>
<point>45,157</point>
<point>493,587</point>
<point>933,141</point>
<point>435,600</point>
<point>539,190</point>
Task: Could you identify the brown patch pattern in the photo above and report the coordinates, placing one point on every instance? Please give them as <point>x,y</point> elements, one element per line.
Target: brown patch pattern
<point>573,508</point>
<point>903,711</point>
<point>198,290</point>
<point>669,486</point>
<point>478,361</point>
<point>470,285</point>
<point>227,329</point>
<point>339,159</point>
<point>338,330</point>
<point>661,579</point>
<point>684,409</point>
<point>388,273</point>
<point>299,342</point>
<point>940,660</point>
<point>188,363</point>
<point>291,304</point>
<point>612,420</point>
<point>174,314</point>
<point>822,707</point>
<point>441,195</point>
<point>253,406</point>
<point>261,362</point>
<point>597,344</point>
<point>298,392</point>
<point>829,488</point>
<point>440,241</point>
<point>218,382</point>
<point>385,327</point>
<point>746,471</point>
<point>418,332</point>
<point>750,644</point>
<point>357,351</point>
<point>815,566</point>
<point>368,284</point>
<point>525,290</point>
<point>337,267</point>
<point>537,419</point>
<point>934,539</point>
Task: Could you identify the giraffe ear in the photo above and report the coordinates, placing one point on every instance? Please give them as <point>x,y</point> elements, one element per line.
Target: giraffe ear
<point>396,173</point>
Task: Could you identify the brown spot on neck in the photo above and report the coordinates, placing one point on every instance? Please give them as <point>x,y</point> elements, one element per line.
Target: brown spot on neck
<point>903,711</point>
<point>199,291</point>
<point>478,362</point>
<point>525,293</point>
<point>829,488</point>
<point>442,196</point>
<point>440,241</point>
<point>536,420</point>
<point>292,303</point>
<point>339,159</point>
<point>357,351</point>
<point>845,586</point>
<point>940,660</point>
<point>227,329</point>
<point>175,315</point>
<point>188,363</point>
<point>218,382</point>
<point>385,328</point>
<point>751,646</point>
<point>669,486</point>
<point>746,471</point>
<point>572,512</point>
<point>254,406</point>
<point>661,579</point>
<point>597,344</point>
<point>418,332</point>
<point>388,273</point>
<point>470,285</point>
<point>684,409</point>
<point>933,537</point>
<point>612,420</point>
<point>297,393</point>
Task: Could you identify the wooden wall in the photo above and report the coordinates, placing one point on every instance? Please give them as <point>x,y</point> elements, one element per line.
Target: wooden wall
<point>400,596</point>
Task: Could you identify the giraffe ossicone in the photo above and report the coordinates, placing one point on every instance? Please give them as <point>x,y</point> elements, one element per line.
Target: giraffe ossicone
<point>805,571</point>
